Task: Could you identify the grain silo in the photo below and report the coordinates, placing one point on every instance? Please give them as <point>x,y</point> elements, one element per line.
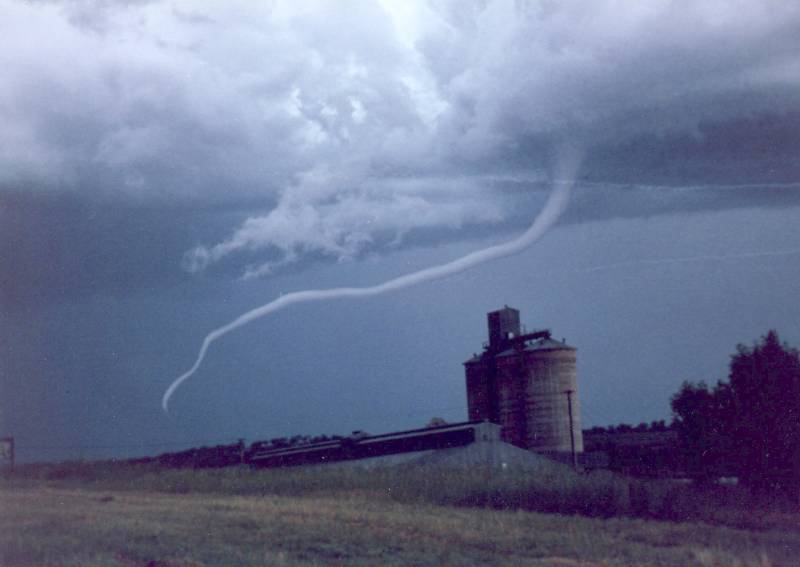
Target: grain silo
<point>527,383</point>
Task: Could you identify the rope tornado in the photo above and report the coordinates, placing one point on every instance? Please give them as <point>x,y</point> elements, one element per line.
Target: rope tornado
<point>568,162</point>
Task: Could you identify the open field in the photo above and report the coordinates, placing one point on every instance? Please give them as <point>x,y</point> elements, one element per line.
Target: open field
<point>108,513</point>
<point>552,488</point>
<point>59,526</point>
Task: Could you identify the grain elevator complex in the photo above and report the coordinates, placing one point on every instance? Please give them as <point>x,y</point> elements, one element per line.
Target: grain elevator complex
<point>523,414</point>
<point>522,397</point>
<point>526,383</point>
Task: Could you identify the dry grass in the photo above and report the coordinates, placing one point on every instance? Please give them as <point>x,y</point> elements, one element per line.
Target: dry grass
<point>74,526</point>
<point>554,489</point>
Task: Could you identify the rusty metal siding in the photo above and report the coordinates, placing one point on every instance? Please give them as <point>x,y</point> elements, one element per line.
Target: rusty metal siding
<point>478,391</point>
<point>511,410</point>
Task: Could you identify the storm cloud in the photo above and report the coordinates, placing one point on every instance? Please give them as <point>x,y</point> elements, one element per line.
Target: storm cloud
<point>166,166</point>
<point>338,132</point>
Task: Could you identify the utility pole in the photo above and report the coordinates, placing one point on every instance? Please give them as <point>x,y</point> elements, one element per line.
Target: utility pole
<point>571,429</point>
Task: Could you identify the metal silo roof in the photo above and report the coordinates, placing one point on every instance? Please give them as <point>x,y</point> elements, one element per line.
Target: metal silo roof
<point>549,344</point>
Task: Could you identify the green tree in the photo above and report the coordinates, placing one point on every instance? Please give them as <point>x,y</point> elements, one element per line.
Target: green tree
<point>765,389</point>
<point>701,418</point>
<point>750,425</point>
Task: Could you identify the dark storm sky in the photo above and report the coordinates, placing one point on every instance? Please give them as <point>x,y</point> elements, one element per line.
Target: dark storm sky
<point>167,166</point>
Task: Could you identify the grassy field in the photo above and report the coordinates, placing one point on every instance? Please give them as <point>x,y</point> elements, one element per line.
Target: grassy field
<point>88,515</point>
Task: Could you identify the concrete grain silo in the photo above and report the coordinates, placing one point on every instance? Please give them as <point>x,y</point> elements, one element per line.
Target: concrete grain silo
<point>526,383</point>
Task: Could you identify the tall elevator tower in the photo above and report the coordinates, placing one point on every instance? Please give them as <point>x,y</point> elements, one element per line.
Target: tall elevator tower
<point>527,383</point>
